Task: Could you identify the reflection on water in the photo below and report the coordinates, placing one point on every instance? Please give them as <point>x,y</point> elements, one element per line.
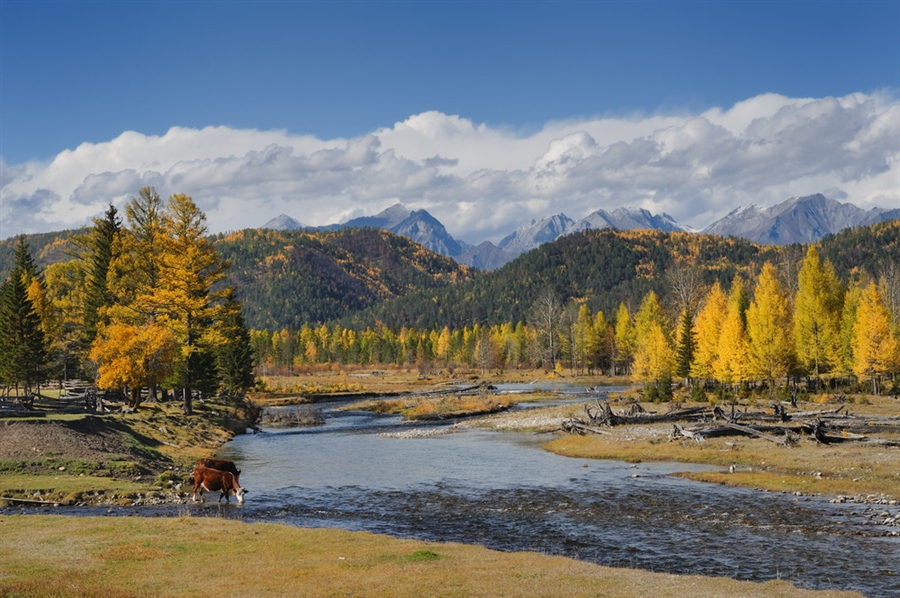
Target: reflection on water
<point>500,490</point>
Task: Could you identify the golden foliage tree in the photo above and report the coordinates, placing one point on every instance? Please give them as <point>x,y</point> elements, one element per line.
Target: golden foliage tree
<point>769,328</point>
<point>708,327</point>
<point>731,365</point>
<point>876,350</point>
<point>625,338</point>
<point>817,315</point>
<point>133,357</point>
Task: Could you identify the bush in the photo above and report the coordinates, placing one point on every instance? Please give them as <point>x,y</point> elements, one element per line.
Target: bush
<point>698,395</point>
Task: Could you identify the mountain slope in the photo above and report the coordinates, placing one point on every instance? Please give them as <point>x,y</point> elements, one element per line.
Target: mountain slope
<point>288,278</point>
<point>603,267</point>
<point>530,236</point>
<point>796,220</point>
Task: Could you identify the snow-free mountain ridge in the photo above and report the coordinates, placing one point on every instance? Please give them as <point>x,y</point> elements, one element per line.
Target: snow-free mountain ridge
<point>795,220</point>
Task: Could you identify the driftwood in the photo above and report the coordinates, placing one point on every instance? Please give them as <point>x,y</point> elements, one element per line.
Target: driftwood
<point>830,426</point>
<point>29,501</point>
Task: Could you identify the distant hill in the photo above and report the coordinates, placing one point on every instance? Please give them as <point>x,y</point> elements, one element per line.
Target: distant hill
<point>288,278</point>
<point>362,276</point>
<point>797,220</point>
<point>602,266</point>
<point>45,248</point>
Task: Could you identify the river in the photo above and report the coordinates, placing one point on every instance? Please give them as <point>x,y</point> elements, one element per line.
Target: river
<point>502,491</point>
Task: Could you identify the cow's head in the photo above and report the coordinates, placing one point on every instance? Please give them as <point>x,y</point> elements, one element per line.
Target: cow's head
<point>239,494</point>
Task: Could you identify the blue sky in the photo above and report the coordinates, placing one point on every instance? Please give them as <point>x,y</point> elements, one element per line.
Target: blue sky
<point>331,75</point>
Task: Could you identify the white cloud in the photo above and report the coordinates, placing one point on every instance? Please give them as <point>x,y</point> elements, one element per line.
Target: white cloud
<point>480,181</point>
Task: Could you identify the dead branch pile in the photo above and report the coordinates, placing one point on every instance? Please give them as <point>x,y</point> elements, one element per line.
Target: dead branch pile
<point>779,426</point>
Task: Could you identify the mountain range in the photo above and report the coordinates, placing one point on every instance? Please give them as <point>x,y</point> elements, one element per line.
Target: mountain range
<point>795,220</point>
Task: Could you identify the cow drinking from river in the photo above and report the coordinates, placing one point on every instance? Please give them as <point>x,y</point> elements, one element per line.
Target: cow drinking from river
<point>215,480</point>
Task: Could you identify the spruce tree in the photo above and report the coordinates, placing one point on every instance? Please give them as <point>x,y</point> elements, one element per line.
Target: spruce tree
<point>98,245</point>
<point>684,354</point>
<point>23,346</point>
<point>234,355</point>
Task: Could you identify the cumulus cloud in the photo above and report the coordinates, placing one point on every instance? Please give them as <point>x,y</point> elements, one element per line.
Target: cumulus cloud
<point>482,181</point>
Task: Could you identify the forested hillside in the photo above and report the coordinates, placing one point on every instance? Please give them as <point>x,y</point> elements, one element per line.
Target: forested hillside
<point>602,267</point>
<point>290,278</point>
<point>46,249</point>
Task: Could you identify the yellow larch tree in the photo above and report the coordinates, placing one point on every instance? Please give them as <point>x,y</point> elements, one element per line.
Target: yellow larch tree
<point>731,365</point>
<point>708,327</point>
<point>188,270</point>
<point>876,350</point>
<point>817,315</point>
<point>625,338</point>
<point>770,343</point>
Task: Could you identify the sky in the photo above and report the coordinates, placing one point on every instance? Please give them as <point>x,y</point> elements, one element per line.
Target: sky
<point>486,114</point>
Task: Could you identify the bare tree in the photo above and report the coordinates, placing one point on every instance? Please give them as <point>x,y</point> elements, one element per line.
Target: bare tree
<point>686,283</point>
<point>545,316</point>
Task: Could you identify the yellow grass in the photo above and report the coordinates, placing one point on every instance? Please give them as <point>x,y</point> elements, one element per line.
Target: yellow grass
<point>810,468</point>
<point>112,556</point>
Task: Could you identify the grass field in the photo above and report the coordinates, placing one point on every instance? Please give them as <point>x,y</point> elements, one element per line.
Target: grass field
<point>58,556</point>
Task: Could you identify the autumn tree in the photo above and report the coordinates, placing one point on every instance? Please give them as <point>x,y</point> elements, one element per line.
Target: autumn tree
<point>653,356</point>
<point>876,350</point>
<point>601,345</point>
<point>732,361</point>
<point>134,357</point>
<point>709,329</point>
<point>625,338</point>
<point>770,343</point>
<point>817,313</point>
<point>65,288</point>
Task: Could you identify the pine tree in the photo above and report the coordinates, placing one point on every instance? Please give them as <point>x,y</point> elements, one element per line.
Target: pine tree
<point>97,247</point>
<point>684,354</point>
<point>23,346</point>
<point>770,342</point>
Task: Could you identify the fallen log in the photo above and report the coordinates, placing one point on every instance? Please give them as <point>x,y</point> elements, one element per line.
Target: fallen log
<point>578,427</point>
<point>754,432</point>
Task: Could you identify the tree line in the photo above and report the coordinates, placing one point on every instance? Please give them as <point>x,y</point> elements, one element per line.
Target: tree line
<point>140,307</point>
<point>784,322</point>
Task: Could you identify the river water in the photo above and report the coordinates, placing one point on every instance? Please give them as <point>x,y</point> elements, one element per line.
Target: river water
<point>502,491</point>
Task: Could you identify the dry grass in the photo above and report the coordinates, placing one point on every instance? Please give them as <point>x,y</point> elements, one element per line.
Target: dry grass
<point>78,556</point>
<point>847,469</point>
<point>441,407</point>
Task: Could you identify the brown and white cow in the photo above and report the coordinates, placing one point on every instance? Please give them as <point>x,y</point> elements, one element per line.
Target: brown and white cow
<point>221,465</point>
<point>215,480</point>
